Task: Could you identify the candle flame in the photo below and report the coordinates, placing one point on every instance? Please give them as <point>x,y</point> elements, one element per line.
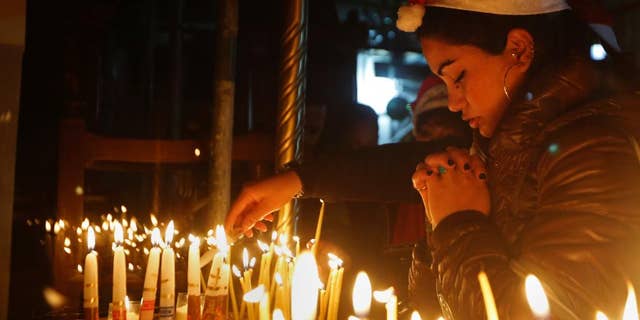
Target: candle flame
<point>221,239</point>
<point>85,224</point>
<point>441,318</point>
<point>109,217</point>
<point>278,315</point>
<point>56,228</point>
<point>98,229</point>
<point>79,267</point>
<point>123,209</point>
<point>383,296</point>
<point>362,295</point>
<point>91,239</point>
<point>487,295</point>
<point>304,287</point>
<point>601,316</point>
<point>278,278</point>
<point>118,234</point>
<point>196,151</point>
<point>334,261</point>
<point>263,246</point>
<point>47,226</point>
<point>631,306</point>
<point>536,297</point>
<point>154,220</point>
<point>168,234</point>
<point>254,295</point>
<point>126,302</point>
<point>67,250</point>
<point>134,225</point>
<point>245,258</point>
<point>283,239</point>
<point>236,271</point>
<point>415,316</point>
<point>296,239</point>
<point>274,236</point>
<point>130,266</point>
<point>105,226</point>
<point>156,238</point>
<point>252,263</point>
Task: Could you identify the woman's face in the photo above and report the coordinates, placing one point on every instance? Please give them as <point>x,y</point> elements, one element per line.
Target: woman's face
<point>474,80</point>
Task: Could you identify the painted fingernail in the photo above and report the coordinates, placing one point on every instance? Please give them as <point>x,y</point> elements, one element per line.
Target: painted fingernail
<point>467,166</point>
<point>429,172</point>
<point>482,176</point>
<point>450,163</point>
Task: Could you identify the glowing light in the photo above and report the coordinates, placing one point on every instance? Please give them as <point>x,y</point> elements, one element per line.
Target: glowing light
<point>254,295</point>
<point>304,287</point>
<point>631,306</point>
<point>109,217</point>
<point>487,295</point>
<point>601,316</point>
<point>383,296</point>
<point>130,266</point>
<point>67,250</point>
<point>263,246</point>
<point>252,263</point>
<point>196,151</point>
<point>79,191</point>
<point>168,234</point>
<point>91,239</point>
<point>85,224</point>
<point>334,261</point>
<point>67,241</point>
<point>597,51</point>
<point>79,267</point>
<point>98,229</point>
<point>123,209</point>
<point>278,315</point>
<point>362,295</point>
<point>54,298</point>
<point>47,226</point>
<point>236,271</point>
<point>278,278</point>
<point>154,220</point>
<point>134,225</point>
<point>536,297</point>
<point>56,228</point>
<point>118,234</point>
<point>274,236</point>
<point>245,258</point>
<point>221,239</point>
<point>415,316</point>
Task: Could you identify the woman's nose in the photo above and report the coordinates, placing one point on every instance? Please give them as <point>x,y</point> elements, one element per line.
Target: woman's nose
<point>456,100</point>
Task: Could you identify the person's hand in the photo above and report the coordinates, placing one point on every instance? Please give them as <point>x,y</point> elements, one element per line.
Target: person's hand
<point>450,182</point>
<point>258,200</point>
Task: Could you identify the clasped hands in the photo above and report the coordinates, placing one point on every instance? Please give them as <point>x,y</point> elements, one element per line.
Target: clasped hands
<point>450,182</point>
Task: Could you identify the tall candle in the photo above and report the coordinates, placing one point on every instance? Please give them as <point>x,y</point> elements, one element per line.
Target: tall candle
<point>119,310</point>
<point>390,300</point>
<point>314,249</point>
<point>91,279</point>
<point>151,277</point>
<point>217,292</point>
<point>362,295</point>
<point>168,277</point>
<point>193,279</point>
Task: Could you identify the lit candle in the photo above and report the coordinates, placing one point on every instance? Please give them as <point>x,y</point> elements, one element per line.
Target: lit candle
<point>601,316</point>
<point>259,295</point>
<point>278,315</point>
<point>415,316</point>
<point>217,292</point>
<point>304,288</point>
<point>91,279</point>
<point>362,295</point>
<point>151,277</point>
<point>536,297</point>
<point>336,287</point>
<point>119,310</point>
<point>314,248</point>
<point>487,295</point>
<point>265,264</point>
<point>390,300</point>
<point>168,277</point>
<point>193,279</point>
<point>631,306</point>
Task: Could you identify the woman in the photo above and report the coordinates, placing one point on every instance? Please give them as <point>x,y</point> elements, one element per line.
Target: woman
<point>560,193</point>
<point>562,170</point>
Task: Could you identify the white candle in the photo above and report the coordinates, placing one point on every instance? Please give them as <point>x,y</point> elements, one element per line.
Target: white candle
<point>193,267</point>
<point>151,277</point>
<point>217,291</point>
<point>168,277</point>
<point>390,300</point>
<point>304,288</point>
<point>119,275</point>
<point>91,279</point>
<point>362,295</point>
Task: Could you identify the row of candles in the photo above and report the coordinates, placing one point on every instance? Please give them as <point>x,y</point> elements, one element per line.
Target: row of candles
<point>289,288</point>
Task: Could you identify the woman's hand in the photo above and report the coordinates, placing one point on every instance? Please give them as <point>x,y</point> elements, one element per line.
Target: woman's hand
<point>450,182</point>
<point>258,200</point>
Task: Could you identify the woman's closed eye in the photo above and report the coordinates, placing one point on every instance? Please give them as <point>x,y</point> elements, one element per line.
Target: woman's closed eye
<point>460,77</point>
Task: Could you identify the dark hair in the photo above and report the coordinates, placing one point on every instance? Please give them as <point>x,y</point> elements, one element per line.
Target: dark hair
<point>556,35</point>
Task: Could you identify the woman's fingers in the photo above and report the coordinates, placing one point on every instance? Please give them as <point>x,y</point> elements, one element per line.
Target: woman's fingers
<point>244,201</point>
<point>478,167</point>
<point>460,157</point>
<point>419,178</point>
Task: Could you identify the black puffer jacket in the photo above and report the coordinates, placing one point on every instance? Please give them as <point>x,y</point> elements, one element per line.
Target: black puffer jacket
<point>564,176</point>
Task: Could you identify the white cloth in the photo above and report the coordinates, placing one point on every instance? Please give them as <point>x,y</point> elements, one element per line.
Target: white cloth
<point>504,7</point>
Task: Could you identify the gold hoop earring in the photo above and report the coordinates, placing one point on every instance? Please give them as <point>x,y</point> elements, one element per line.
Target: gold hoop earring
<point>504,81</point>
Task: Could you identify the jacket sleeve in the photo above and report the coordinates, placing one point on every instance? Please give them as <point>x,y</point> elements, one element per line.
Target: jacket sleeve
<point>578,241</point>
<point>379,174</point>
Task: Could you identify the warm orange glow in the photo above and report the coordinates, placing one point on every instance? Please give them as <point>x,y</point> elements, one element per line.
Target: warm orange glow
<point>263,246</point>
<point>601,316</point>
<point>304,287</point>
<point>245,258</point>
<point>278,278</point>
<point>255,295</point>
<point>156,238</point>
<point>91,239</point>
<point>487,295</point>
<point>274,236</point>
<point>118,234</point>
<point>415,316</point>
<point>154,220</point>
<point>236,271</point>
<point>631,306</point>
<point>221,239</point>
<point>278,315</point>
<point>383,296</point>
<point>362,295</point>
<point>536,297</point>
<point>47,226</point>
<point>85,224</point>
<point>168,233</point>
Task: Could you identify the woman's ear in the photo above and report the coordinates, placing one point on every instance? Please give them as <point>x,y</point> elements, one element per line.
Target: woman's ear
<point>520,47</point>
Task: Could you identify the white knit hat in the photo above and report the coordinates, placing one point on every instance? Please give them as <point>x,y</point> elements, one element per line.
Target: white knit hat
<point>410,15</point>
